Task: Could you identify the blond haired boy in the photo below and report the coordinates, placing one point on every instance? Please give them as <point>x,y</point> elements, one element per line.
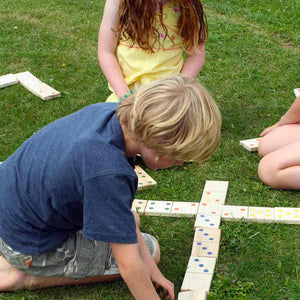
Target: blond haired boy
<point>66,193</point>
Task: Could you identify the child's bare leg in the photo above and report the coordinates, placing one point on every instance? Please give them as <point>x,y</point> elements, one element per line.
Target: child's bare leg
<point>278,138</point>
<point>12,279</point>
<point>281,168</point>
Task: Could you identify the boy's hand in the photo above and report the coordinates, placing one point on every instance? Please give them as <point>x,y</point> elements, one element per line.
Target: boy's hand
<point>163,286</point>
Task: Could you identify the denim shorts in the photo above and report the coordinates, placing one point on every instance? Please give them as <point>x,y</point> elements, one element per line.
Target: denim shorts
<point>76,258</point>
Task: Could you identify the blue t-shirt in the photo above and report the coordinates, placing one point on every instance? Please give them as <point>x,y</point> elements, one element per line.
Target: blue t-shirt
<point>73,174</point>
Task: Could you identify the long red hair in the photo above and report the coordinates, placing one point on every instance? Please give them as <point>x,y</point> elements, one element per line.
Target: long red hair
<point>136,22</point>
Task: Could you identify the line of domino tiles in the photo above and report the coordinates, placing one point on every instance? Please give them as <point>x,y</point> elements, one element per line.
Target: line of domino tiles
<point>209,213</point>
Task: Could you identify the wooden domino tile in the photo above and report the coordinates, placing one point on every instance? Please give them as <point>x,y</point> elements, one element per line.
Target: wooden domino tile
<point>261,214</point>
<point>232,213</point>
<point>210,209</point>
<point>251,144</point>
<point>211,235</point>
<point>213,198</point>
<point>37,87</point>
<point>202,265</point>
<point>139,205</point>
<point>216,186</point>
<point>205,249</point>
<point>287,215</point>
<point>144,179</point>
<point>206,220</point>
<point>159,208</point>
<point>192,295</point>
<point>184,209</point>
<point>8,80</point>
<point>297,92</point>
<point>196,281</point>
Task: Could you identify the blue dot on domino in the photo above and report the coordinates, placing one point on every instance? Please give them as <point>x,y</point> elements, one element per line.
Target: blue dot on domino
<point>196,259</point>
<point>204,248</point>
<point>209,253</point>
<point>199,243</point>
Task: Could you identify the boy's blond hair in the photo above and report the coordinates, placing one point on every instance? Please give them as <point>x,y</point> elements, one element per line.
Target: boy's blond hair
<point>175,116</point>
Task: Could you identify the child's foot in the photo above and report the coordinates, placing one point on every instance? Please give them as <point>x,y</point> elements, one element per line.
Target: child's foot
<point>10,278</point>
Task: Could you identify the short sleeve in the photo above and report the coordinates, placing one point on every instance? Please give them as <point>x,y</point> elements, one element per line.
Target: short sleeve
<point>107,212</point>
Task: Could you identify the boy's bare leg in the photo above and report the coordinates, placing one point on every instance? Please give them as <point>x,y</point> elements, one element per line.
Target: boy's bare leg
<point>12,279</point>
<point>278,138</point>
<point>281,168</point>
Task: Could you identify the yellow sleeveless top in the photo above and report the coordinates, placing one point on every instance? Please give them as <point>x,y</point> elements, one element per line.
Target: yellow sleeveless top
<point>140,67</point>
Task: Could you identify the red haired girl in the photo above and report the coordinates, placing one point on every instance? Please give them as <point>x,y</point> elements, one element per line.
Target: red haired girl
<point>144,40</point>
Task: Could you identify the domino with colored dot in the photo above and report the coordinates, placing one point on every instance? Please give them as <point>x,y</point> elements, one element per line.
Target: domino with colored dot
<point>37,87</point>
<point>144,180</point>
<point>261,214</point>
<point>211,235</point>
<point>208,221</point>
<point>251,144</point>
<point>159,208</point>
<point>8,80</point>
<point>205,249</point>
<point>297,92</point>
<point>196,281</point>
<point>287,215</point>
<point>192,295</point>
<point>210,209</point>
<point>202,265</point>
<point>139,206</point>
<point>232,213</point>
<point>184,209</point>
<point>213,198</point>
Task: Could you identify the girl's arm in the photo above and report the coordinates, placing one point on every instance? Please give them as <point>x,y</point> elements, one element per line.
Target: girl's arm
<point>107,44</point>
<point>292,116</point>
<point>193,63</point>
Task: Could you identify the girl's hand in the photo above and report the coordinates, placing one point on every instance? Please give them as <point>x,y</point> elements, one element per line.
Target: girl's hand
<point>269,129</point>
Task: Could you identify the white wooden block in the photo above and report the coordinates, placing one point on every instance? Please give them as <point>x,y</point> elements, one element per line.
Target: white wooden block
<point>139,206</point>
<point>202,265</point>
<point>213,197</point>
<point>232,213</point>
<point>37,87</point>
<point>206,220</point>
<point>184,209</point>
<point>251,144</point>
<point>216,186</point>
<point>205,249</point>
<point>261,214</point>
<point>192,295</point>
<point>297,92</point>
<point>7,80</point>
<point>196,281</point>
<point>210,209</point>
<point>158,208</point>
<point>144,179</point>
<point>211,235</point>
<point>288,215</point>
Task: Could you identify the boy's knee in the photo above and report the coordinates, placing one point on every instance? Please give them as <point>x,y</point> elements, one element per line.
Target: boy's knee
<point>137,219</point>
<point>157,254</point>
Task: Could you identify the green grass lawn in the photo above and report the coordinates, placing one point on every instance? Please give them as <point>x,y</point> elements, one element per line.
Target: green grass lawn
<point>252,66</point>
